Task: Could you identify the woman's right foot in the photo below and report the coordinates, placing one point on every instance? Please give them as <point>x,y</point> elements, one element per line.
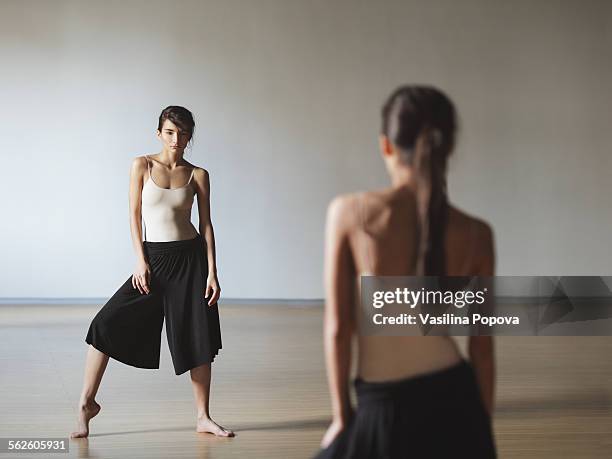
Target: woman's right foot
<point>206,424</point>
<point>86,412</point>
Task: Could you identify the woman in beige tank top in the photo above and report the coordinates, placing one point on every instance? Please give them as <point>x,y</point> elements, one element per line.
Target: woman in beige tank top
<point>405,230</point>
<point>175,279</point>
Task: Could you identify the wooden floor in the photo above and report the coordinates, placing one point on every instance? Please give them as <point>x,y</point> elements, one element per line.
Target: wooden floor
<point>553,393</point>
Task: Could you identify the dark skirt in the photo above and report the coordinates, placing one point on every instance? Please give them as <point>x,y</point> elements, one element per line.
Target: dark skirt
<point>128,327</point>
<point>435,415</point>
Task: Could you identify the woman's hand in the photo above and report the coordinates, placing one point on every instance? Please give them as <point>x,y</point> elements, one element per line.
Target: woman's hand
<point>333,431</point>
<point>213,290</point>
<point>338,424</point>
<point>141,277</point>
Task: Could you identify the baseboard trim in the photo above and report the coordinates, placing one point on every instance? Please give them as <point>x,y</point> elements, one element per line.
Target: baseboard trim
<point>297,302</point>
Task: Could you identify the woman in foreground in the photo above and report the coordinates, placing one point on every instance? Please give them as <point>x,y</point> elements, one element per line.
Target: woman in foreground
<point>416,395</point>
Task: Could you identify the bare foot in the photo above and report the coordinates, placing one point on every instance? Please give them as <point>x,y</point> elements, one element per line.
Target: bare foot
<point>86,412</point>
<point>210,426</point>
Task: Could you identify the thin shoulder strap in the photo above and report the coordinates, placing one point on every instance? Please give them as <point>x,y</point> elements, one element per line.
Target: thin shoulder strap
<point>148,165</point>
<point>192,171</point>
<point>366,242</point>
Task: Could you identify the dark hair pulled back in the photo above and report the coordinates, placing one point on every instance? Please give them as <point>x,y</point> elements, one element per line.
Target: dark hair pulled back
<point>421,122</point>
<point>180,116</point>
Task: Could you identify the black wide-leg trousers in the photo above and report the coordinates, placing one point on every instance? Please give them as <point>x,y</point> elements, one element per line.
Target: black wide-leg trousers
<point>434,415</point>
<point>128,327</point>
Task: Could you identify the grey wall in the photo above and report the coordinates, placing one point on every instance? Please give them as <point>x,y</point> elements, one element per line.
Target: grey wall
<point>286,96</point>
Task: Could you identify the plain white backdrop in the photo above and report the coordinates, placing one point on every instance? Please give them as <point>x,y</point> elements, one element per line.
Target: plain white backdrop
<point>286,96</point>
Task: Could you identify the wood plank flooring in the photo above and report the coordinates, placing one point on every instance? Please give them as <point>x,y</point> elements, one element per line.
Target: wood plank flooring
<point>554,394</point>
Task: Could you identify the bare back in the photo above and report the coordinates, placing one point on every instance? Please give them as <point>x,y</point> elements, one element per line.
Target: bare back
<point>383,241</point>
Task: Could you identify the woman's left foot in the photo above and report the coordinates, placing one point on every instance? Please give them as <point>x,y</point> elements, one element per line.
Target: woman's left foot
<point>210,426</point>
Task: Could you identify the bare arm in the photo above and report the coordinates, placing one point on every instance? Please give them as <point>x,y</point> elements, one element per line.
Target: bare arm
<point>202,181</point>
<point>339,274</point>
<point>480,348</point>
<point>137,172</point>
<point>142,272</point>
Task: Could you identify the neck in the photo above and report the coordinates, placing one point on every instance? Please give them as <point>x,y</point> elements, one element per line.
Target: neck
<point>170,158</point>
<point>402,177</point>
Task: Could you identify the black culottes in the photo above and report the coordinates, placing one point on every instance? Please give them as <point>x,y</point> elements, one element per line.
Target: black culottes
<point>435,415</point>
<point>128,327</point>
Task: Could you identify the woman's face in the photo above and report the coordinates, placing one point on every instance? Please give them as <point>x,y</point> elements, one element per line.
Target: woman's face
<point>172,138</point>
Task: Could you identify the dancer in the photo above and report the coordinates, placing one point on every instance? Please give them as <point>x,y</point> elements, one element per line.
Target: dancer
<point>175,278</point>
<point>416,395</point>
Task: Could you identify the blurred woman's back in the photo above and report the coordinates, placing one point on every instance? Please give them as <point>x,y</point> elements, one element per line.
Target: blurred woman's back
<point>410,390</point>
<point>385,243</point>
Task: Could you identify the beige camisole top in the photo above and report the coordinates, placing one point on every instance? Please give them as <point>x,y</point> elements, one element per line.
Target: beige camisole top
<point>166,212</point>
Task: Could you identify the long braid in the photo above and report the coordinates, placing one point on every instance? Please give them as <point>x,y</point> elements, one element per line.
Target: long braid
<point>420,120</point>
